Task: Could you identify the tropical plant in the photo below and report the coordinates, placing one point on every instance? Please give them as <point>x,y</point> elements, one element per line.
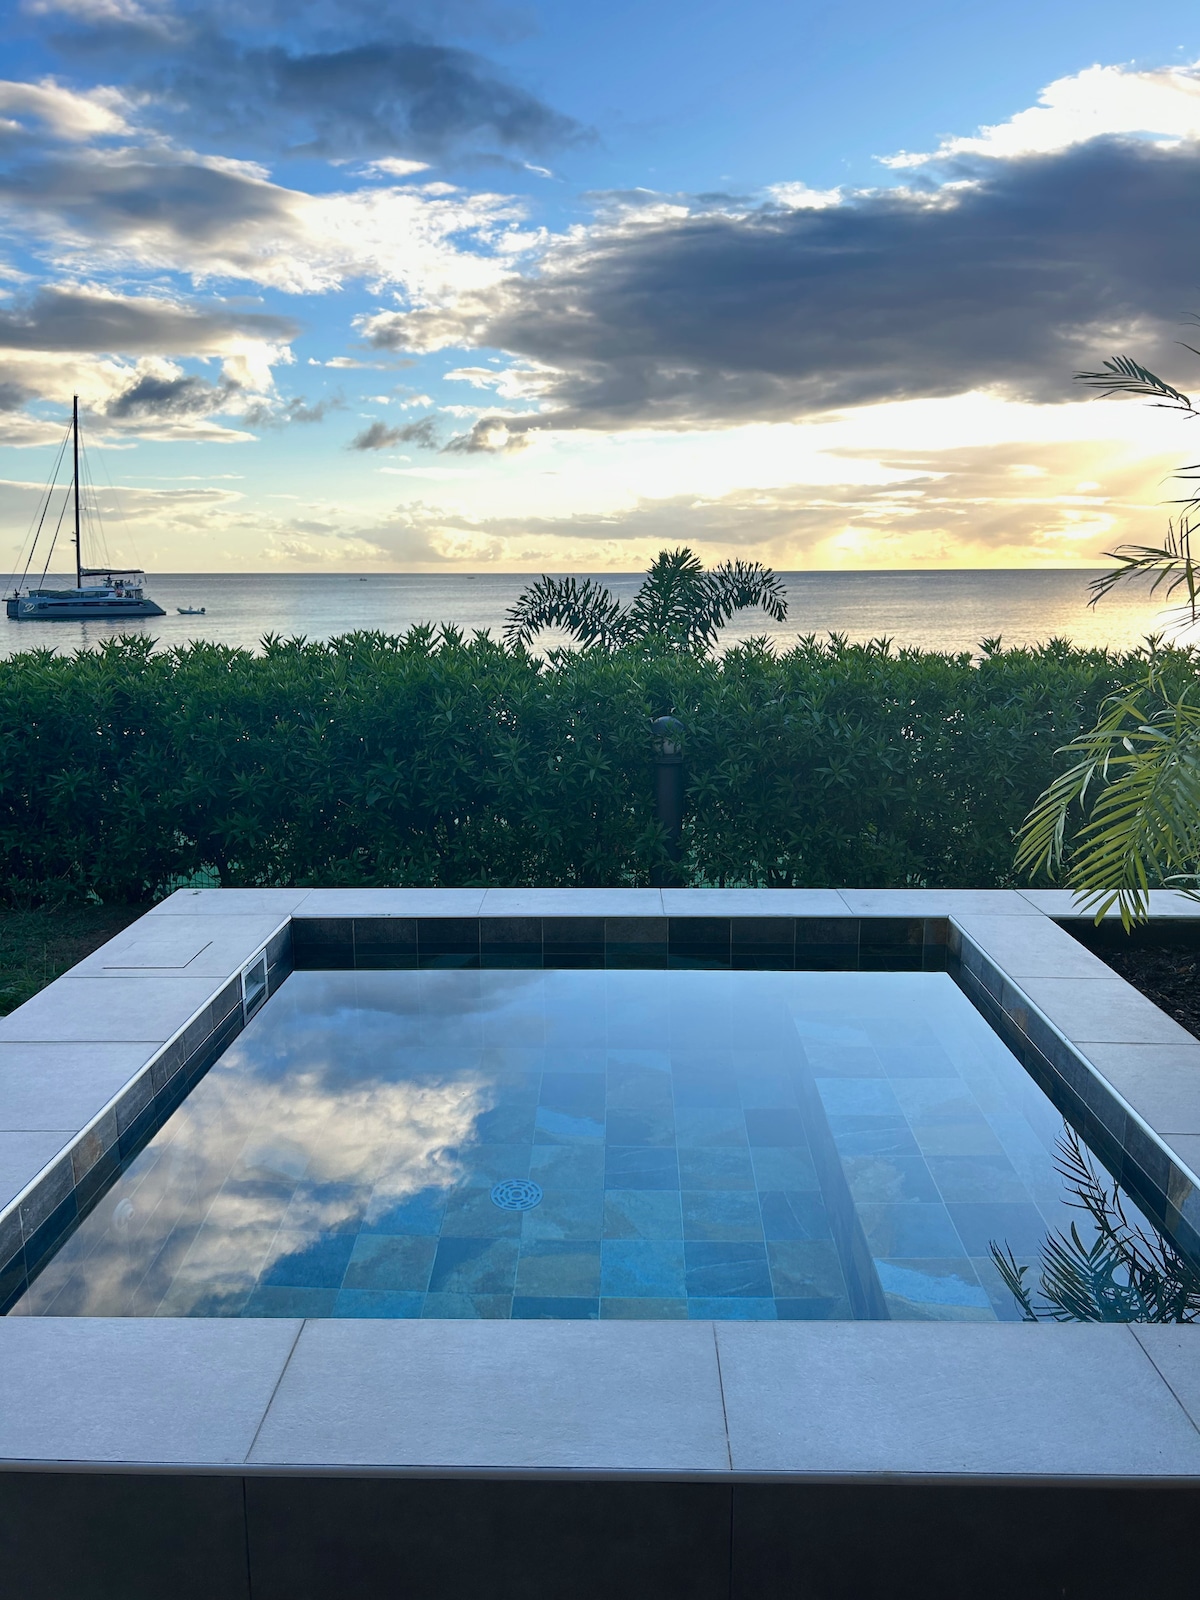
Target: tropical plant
<point>679,604</point>
<point>1127,1273</point>
<point>1136,781</point>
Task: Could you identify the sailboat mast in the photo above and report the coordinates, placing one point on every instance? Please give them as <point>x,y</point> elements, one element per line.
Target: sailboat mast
<point>78,553</point>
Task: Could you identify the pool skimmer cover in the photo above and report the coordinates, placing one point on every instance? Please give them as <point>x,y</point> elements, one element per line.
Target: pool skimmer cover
<point>517,1194</point>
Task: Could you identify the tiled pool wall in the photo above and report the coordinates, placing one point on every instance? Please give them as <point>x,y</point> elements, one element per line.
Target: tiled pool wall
<point>738,944</point>
<point>38,1221</point>
<point>1140,1162</point>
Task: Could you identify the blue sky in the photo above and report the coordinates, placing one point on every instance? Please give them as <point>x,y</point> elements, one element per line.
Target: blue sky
<point>547,287</point>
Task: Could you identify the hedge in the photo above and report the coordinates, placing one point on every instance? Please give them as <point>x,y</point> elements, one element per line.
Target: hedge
<point>435,759</point>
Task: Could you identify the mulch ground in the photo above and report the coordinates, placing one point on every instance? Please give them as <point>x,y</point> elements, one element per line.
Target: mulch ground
<point>1171,978</point>
<point>36,946</point>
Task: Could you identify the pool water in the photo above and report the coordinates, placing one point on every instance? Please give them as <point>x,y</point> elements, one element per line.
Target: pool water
<point>584,1144</point>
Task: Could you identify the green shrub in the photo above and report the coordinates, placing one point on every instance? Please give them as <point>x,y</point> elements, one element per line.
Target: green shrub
<point>434,759</point>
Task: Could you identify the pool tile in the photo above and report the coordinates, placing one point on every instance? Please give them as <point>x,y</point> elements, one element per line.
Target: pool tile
<point>794,1214</point>
<point>873,1136</point>
<point>577,1166</point>
<point>937,1100</point>
<point>642,1267</point>
<point>640,1127</point>
<point>377,1303</point>
<point>640,1167</point>
<point>580,1094</point>
<point>1021,1228</point>
<point>890,1180</point>
<point>484,1165</point>
<point>909,1230</point>
<point>638,1088</point>
<point>566,1127</point>
<point>554,1268</point>
<point>284,1300</point>
<point>777,1126</point>
<point>642,1214</point>
<point>308,1263</point>
<point>475,1266</point>
<point>710,1126</point>
<point>505,1124</point>
<point>980,1178</point>
<point>643,1310</point>
<point>828,1060</point>
<point>858,1097</point>
<point>934,1291</point>
<point>391,1261</point>
<point>766,1089</point>
<point>805,1268</point>
<point>717,1269</point>
<point>471,1214</point>
<point>531,1308</point>
<point>705,1090</point>
<point>784,1168</point>
<point>713,1167</point>
<point>467,1307</point>
<point>915,1060</point>
<point>813,1309</point>
<point>565,1214</point>
<point>418,1213</point>
<point>974,1138</point>
<point>721,1214</point>
<point>731,1309</point>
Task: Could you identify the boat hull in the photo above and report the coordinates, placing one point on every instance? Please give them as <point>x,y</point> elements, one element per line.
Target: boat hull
<point>32,609</point>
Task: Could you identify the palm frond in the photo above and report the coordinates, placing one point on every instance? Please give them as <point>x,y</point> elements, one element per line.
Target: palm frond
<point>1171,563</point>
<point>1123,375</point>
<point>588,611</point>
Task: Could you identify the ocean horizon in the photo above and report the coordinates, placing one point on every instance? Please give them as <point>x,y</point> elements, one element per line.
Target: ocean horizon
<point>951,610</point>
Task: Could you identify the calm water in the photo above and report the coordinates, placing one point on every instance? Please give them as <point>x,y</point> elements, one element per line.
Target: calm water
<point>933,610</point>
<point>698,1144</point>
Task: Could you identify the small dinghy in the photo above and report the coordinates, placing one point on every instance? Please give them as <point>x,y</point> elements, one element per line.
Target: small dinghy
<point>190,611</point>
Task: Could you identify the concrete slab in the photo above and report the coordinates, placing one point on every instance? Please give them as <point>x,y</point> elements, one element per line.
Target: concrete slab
<point>754,903</point>
<point>1160,1081</point>
<point>967,1399</point>
<point>1175,1352</point>
<point>55,1086</point>
<point>23,1155</point>
<point>1063,903</point>
<point>1187,1147</point>
<point>1103,1011</point>
<point>229,903</point>
<point>572,903</point>
<point>628,1396</point>
<point>391,903</point>
<point>138,1390</point>
<point>1029,947</point>
<point>195,947</point>
<point>115,1007</point>
<point>935,902</point>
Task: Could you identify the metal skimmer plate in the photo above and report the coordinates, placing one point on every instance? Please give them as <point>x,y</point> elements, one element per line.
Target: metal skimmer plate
<point>517,1194</point>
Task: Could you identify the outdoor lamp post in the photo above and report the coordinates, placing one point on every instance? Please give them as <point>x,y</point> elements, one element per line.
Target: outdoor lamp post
<point>668,787</point>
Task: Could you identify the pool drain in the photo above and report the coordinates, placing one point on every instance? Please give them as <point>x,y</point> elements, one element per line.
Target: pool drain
<point>517,1194</point>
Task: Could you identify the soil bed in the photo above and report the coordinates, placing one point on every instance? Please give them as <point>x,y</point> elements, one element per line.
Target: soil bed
<point>1169,977</point>
<point>36,946</point>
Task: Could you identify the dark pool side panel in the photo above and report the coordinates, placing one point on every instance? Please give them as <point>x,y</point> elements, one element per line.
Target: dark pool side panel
<point>739,944</point>
<point>68,1190</point>
<point>97,1536</point>
<point>1136,1159</point>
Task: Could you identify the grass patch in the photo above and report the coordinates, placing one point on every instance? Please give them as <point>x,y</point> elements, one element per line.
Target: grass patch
<point>36,946</point>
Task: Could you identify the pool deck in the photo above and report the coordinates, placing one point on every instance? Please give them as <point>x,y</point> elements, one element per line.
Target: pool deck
<point>255,1445</point>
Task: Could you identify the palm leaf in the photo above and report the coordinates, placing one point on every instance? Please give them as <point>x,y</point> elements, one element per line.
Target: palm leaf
<point>1123,375</point>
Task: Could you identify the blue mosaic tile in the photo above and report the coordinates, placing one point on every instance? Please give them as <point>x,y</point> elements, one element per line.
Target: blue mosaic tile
<point>565,1127</point>
<point>642,1267</point>
<point>545,1307</point>
<point>377,1303</point>
<point>909,1230</point>
<point>939,1291</point>
<point>556,1268</point>
<point>721,1214</point>
<point>642,1214</point>
<point>471,1214</point>
<point>778,1126</point>
<point>890,1179</point>
<point>801,1268</point>
<point>640,1127</point>
<point>391,1261</point>
<point>457,1307</point>
<point>565,1214</point>
<point>812,1309</point>
<point>419,1213</point>
<point>727,1269</point>
<point>577,1166</point>
<point>646,1309</point>
<point>640,1167</point>
<point>1021,1227</point>
<point>714,1167</point>
<point>710,1126</point>
<point>310,1263</point>
<point>794,1214</point>
<point>731,1309</point>
<point>286,1301</point>
<point>475,1266</point>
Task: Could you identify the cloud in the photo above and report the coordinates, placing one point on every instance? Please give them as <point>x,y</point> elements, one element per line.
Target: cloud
<point>1010,280</point>
<point>63,113</point>
<point>378,436</point>
<point>1099,101</point>
<point>311,79</point>
<point>93,319</point>
<point>170,394</point>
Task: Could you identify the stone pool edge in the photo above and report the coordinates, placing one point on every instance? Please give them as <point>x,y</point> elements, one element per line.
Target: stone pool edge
<point>95,1395</point>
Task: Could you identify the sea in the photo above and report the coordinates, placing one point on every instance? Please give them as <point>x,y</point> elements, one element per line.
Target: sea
<point>946,610</point>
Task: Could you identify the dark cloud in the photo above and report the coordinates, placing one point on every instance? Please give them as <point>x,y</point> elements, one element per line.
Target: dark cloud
<point>378,436</point>
<point>160,398</point>
<point>1028,270</point>
<point>78,320</point>
<point>344,82</point>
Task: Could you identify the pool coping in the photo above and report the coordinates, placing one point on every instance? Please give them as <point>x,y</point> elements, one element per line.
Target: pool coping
<point>1059,1404</point>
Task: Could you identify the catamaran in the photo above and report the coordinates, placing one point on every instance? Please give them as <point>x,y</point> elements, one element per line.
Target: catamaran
<point>114,591</point>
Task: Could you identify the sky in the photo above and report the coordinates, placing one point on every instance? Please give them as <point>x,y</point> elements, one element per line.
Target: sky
<point>544,287</point>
